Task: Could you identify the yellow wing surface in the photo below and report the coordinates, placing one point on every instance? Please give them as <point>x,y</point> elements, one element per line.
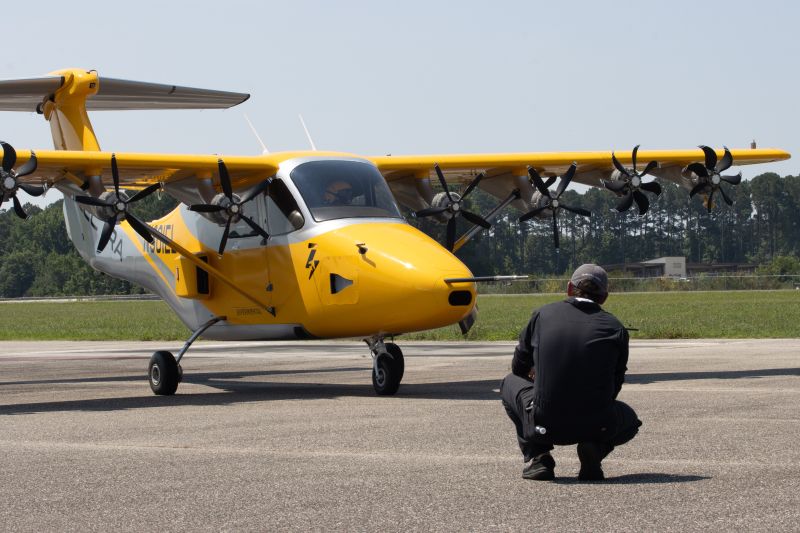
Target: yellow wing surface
<point>592,166</point>
<point>504,172</point>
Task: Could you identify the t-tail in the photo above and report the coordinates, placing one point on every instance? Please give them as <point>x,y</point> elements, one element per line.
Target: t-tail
<point>64,98</point>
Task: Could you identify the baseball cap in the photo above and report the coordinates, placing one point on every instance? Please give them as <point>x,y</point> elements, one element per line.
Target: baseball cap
<point>593,273</point>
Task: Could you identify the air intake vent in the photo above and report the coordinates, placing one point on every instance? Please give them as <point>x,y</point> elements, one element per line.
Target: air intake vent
<point>460,298</point>
<point>338,283</point>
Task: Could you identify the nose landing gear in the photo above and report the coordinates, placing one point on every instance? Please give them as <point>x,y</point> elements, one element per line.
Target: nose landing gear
<point>387,366</point>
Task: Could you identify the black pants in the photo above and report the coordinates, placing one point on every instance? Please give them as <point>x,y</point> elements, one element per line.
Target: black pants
<point>517,393</point>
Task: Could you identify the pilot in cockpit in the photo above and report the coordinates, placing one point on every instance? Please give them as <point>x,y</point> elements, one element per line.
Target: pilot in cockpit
<point>338,192</point>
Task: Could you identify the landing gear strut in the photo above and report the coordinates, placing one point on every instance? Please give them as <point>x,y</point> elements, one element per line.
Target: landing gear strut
<point>164,370</point>
<point>387,366</point>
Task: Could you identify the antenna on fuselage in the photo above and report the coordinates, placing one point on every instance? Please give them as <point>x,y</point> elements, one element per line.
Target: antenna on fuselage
<point>253,128</point>
<point>310,140</point>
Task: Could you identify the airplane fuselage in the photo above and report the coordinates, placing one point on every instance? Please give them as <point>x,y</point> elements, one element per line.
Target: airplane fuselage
<point>326,271</point>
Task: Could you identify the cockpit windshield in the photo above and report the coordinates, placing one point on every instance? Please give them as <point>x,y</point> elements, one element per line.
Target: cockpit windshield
<point>344,189</point>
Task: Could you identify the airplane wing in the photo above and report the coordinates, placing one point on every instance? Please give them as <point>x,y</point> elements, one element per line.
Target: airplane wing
<point>138,170</point>
<point>505,173</point>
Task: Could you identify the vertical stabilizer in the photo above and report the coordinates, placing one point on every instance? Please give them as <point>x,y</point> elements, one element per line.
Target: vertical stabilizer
<point>66,111</point>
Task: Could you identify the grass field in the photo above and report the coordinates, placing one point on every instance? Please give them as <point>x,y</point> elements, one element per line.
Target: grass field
<point>685,315</point>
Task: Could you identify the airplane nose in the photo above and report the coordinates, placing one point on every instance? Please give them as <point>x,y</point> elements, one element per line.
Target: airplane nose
<point>397,284</point>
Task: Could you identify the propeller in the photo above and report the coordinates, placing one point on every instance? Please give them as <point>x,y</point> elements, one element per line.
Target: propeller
<point>9,182</point>
<point>709,175</point>
<point>552,202</point>
<point>114,208</point>
<point>453,208</point>
<point>230,206</point>
<point>631,186</point>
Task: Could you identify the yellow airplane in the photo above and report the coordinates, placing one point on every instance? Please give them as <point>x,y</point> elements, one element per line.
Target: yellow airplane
<point>307,244</point>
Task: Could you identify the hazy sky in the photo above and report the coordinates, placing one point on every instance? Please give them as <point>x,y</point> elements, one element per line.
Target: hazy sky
<point>428,77</point>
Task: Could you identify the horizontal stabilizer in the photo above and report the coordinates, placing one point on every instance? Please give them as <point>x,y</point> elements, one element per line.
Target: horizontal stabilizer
<point>116,94</point>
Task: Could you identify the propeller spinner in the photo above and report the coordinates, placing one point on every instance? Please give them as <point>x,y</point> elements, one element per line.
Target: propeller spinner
<point>453,207</point>
<point>709,175</point>
<point>553,202</point>
<point>9,178</point>
<point>631,186</point>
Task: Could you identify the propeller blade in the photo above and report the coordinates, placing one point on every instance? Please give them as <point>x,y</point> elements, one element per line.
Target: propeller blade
<point>18,208</point>
<point>472,185</point>
<point>9,156</point>
<point>555,229</point>
<point>224,239</point>
<point>144,193</point>
<point>626,203</point>
<point>615,185</point>
<point>225,180</point>
<point>428,211</point>
<point>258,229</point>
<point>206,208</point>
<point>91,200</point>
<point>653,187</point>
<point>633,157</point>
<point>725,196</point>
<point>698,169</point>
<point>566,179</point>
<point>259,189</point>
<point>451,233</point>
<point>726,161</point>
<point>537,182</point>
<point>650,166</point>
<point>32,190</point>
<point>108,229</point>
<point>710,203</point>
<point>476,219</point>
<point>443,181</point>
<point>549,182</point>
<point>28,167</point>
<point>530,214</point>
<point>697,188</point>
<point>733,180</point>
<point>115,173</point>
<point>139,227</point>
<point>641,202</point>
<point>618,165</point>
<point>577,210</point>
<point>711,157</point>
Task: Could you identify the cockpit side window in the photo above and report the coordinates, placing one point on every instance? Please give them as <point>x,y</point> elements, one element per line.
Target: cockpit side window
<point>283,214</point>
<point>344,189</point>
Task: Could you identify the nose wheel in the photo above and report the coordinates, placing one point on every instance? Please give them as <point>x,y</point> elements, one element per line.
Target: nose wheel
<point>164,373</point>
<point>388,367</point>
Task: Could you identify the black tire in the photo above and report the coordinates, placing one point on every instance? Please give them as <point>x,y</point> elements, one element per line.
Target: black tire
<point>163,374</point>
<point>397,358</point>
<point>387,379</point>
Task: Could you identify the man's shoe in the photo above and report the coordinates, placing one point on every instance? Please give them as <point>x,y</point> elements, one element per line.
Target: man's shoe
<point>541,468</point>
<point>591,454</point>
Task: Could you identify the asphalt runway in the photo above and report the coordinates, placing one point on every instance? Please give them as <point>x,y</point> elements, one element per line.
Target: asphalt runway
<point>290,436</point>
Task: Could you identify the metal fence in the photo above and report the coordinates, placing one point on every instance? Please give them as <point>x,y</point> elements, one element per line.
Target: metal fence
<point>630,284</point>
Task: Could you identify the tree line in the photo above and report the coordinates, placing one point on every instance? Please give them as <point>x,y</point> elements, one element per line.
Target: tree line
<point>762,227</point>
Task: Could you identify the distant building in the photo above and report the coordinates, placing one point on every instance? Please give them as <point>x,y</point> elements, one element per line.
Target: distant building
<point>677,267</point>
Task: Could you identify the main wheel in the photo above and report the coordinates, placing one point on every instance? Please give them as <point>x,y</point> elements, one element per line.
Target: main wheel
<point>164,373</point>
<point>397,357</point>
<point>386,376</point>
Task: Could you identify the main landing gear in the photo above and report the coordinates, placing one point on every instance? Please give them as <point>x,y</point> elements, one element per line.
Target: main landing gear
<point>164,370</point>
<point>387,366</point>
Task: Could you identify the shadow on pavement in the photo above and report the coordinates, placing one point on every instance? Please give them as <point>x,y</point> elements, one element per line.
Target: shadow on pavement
<point>240,387</point>
<point>634,479</point>
<point>711,374</point>
<point>237,392</point>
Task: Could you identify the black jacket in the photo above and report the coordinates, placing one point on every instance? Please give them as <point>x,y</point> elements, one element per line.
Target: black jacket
<point>579,353</point>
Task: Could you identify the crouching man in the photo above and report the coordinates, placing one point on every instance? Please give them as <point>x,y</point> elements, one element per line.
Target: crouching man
<point>567,371</point>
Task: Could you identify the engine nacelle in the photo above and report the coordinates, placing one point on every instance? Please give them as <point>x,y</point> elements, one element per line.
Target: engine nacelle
<point>441,200</point>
